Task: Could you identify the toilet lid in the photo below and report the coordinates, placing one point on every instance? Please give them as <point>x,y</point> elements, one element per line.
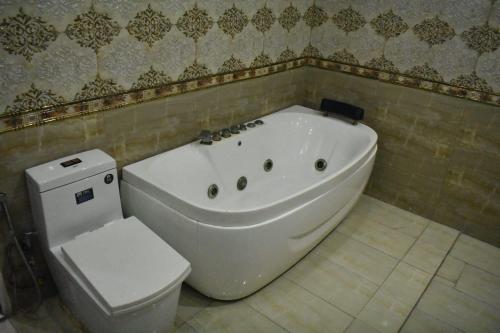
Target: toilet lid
<point>125,263</point>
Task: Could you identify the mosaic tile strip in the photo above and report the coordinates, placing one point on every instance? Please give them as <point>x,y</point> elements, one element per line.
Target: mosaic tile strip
<point>48,113</point>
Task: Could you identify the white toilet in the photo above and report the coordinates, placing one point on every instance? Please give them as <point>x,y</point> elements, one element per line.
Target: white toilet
<point>114,274</point>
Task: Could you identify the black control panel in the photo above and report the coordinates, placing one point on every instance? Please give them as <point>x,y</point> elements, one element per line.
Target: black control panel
<point>85,195</point>
<point>69,163</point>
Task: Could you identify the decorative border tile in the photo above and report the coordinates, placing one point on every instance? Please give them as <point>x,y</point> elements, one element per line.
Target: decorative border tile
<point>18,120</point>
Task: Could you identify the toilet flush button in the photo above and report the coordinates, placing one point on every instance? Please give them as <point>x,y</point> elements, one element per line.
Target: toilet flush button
<point>108,179</point>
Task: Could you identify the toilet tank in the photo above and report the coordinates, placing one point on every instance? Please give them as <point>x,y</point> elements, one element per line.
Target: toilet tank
<point>73,195</point>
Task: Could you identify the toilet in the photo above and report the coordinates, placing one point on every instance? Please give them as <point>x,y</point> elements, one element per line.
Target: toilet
<point>113,273</point>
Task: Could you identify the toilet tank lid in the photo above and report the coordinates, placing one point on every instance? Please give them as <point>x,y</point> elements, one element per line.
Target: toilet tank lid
<point>69,169</point>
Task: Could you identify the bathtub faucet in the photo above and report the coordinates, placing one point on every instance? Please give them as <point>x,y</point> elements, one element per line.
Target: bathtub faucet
<point>205,137</point>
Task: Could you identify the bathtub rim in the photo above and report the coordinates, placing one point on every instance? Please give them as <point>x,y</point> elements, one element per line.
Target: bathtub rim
<point>209,215</point>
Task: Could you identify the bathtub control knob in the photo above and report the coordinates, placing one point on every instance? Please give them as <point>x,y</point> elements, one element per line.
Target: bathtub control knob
<point>216,136</point>
<point>251,125</point>
<point>259,122</point>
<point>234,129</point>
<point>225,133</point>
<point>242,127</point>
<point>108,179</point>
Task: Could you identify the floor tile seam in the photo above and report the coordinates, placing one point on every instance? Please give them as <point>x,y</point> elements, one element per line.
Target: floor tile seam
<point>436,318</point>
<point>212,301</point>
<point>428,284</point>
<point>477,267</point>
<point>394,230</point>
<point>386,253</point>
<point>476,298</point>
<point>360,276</point>
<point>368,245</point>
<point>247,303</point>
<point>319,297</point>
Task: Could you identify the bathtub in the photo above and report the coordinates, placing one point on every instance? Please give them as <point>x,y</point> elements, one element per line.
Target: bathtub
<point>240,240</point>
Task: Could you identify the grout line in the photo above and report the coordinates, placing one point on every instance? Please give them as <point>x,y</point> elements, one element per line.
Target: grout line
<point>428,284</point>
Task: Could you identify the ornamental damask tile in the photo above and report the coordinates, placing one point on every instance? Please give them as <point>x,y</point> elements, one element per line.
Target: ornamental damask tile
<point>345,57</point>
<point>311,51</point>
<point>263,19</point>
<point>231,65</point>
<point>60,13</point>
<point>482,39</point>
<point>194,71</point>
<point>383,64</point>
<point>261,60</point>
<point>289,17</point>
<point>99,88</point>
<point>286,55</point>
<point>315,16</point>
<point>348,20</point>
<point>14,78</point>
<point>26,35</point>
<point>233,21</point>
<point>152,78</point>
<point>195,23</point>
<point>389,25</point>
<point>149,26</point>
<point>425,72</point>
<point>488,68</point>
<point>471,81</point>
<point>93,29</point>
<point>434,31</point>
<point>214,48</point>
<point>34,99</point>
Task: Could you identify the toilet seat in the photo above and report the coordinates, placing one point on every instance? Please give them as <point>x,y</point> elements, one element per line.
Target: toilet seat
<point>125,264</point>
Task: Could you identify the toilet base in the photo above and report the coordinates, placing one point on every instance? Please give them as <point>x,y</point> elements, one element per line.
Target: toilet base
<point>154,318</point>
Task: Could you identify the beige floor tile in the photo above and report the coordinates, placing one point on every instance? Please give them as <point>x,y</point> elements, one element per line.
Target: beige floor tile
<point>357,257</point>
<point>480,284</point>
<point>477,253</point>
<point>425,256</point>
<point>451,269</point>
<point>185,328</point>
<point>6,327</point>
<point>458,309</point>
<point>358,326</point>
<point>387,240</point>
<point>395,299</point>
<point>420,322</point>
<point>444,281</point>
<point>191,302</point>
<point>232,317</point>
<point>391,216</point>
<point>297,310</point>
<point>440,236</point>
<point>344,289</point>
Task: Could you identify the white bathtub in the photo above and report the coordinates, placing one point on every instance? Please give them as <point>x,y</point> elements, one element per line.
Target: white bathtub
<point>239,241</point>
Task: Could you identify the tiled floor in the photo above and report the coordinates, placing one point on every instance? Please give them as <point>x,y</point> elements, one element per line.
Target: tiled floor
<point>382,270</point>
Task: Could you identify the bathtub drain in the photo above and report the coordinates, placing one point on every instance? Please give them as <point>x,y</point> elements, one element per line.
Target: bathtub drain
<point>320,164</point>
<point>242,183</point>
<point>268,165</point>
<point>213,190</point>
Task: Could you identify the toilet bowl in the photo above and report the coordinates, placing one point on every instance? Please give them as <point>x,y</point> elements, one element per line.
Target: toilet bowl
<point>114,274</point>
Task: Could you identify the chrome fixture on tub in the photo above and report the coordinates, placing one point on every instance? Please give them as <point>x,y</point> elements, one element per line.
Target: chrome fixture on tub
<point>205,137</point>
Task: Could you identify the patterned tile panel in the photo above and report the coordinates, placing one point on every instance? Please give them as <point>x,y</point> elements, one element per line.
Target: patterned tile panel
<point>434,31</point>
<point>149,26</point>
<point>26,35</point>
<point>348,20</point>
<point>389,25</point>
<point>195,23</point>
<point>233,21</point>
<point>263,19</point>
<point>93,29</point>
<point>315,16</point>
<point>68,52</point>
<point>289,18</point>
